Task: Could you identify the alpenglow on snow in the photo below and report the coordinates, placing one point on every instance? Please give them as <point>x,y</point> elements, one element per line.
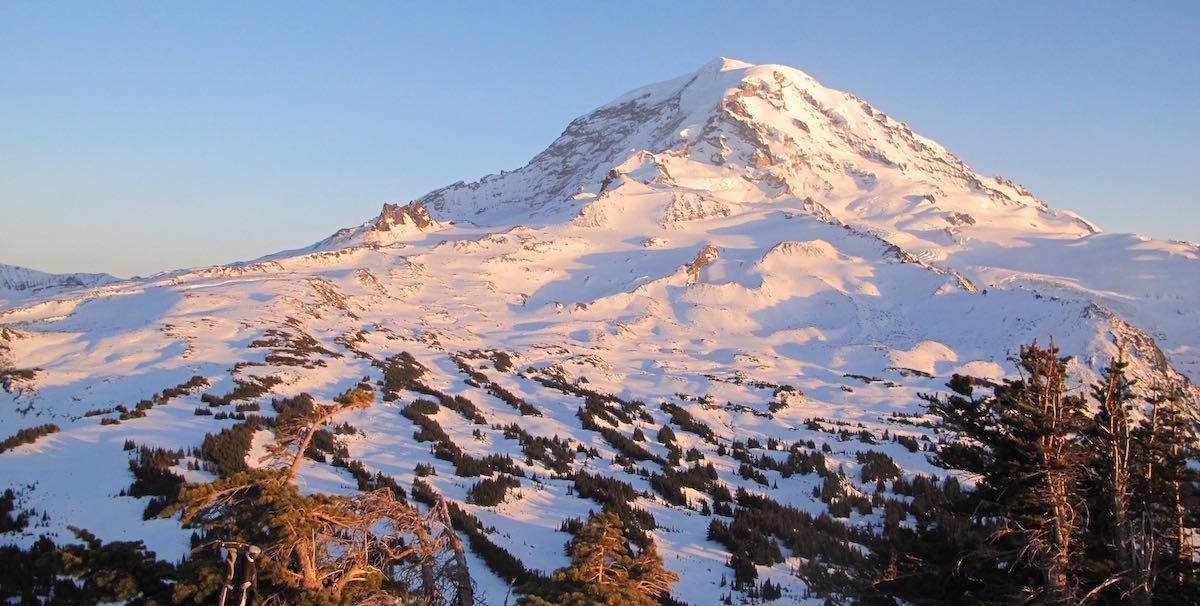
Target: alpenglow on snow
<point>758,263</point>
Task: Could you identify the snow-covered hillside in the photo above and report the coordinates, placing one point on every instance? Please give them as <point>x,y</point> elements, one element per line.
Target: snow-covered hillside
<point>780,260</point>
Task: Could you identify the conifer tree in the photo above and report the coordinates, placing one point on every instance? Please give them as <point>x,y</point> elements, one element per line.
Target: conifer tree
<point>116,572</point>
<point>604,570</point>
<point>1139,492</point>
<point>295,433</point>
<point>1166,499</point>
<point>1118,546</point>
<point>1101,507</point>
<point>1020,442</point>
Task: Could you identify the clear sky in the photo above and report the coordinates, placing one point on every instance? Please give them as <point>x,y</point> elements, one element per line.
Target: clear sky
<point>141,137</point>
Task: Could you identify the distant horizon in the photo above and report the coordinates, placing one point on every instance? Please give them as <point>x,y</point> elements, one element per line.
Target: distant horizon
<point>147,138</point>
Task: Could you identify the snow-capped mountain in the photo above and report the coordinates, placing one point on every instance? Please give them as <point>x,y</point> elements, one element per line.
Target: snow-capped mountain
<point>17,283</point>
<point>760,134</point>
<point>735,139</point>
<point>741,243</point>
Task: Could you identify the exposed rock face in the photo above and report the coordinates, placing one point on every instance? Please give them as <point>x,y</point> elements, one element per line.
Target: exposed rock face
<point>395,223</point>
<point>413,213</point>
<point>703,259</point>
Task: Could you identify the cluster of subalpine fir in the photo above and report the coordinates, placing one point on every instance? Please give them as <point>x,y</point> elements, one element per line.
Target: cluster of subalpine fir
<point>1075,502</point>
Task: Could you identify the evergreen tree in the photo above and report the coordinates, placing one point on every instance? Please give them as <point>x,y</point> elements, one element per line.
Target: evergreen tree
<point>770,591</point>
<point>1020,442</point>
<point>1116,545</point>
<point>604,570</point>
<point>666,435</point>
<point>116,572</point>
<point>1140,491</point>
<point>1166,499</point>
<point>1092,508</point>
<point>745,573</point>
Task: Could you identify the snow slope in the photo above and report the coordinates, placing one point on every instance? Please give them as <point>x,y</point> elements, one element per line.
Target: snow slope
<point>740,241</point>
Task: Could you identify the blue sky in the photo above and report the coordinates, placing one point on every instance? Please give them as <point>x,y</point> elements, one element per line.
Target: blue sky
<point>141,137</point>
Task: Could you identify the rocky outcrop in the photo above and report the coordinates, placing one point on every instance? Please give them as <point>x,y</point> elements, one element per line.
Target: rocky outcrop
<point>703,259</point>
<point>394,224</point>
<point>393,215</point>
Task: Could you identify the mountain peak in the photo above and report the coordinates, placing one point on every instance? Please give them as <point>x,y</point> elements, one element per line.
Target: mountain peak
<point>21,283</point>
<point>762,134</point>
<point>721,64</point>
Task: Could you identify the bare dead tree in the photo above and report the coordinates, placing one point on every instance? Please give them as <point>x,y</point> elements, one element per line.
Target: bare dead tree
<point>465,592</point>
<point>336,545</point>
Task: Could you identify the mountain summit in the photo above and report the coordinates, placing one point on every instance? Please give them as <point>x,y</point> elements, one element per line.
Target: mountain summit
<point>760,272</point>
<point>761,134</point>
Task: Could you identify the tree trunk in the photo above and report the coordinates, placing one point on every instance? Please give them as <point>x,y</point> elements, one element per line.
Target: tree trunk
<point>427,555</point>
<point>1129,539</point>
<point>306,440</point>
<point>462,574</point>
<point>1184,552</point>
<point>306,556</point>
<point>1058,570</point>
<point>1058,467</point>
